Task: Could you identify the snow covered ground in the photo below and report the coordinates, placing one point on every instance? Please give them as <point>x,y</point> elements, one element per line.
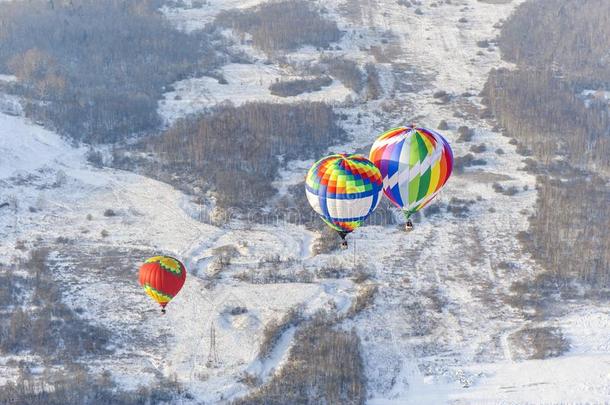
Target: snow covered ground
<point>597,96</point>
<point>41,170</point>
<point>244,83</point>
<point>440,328</point>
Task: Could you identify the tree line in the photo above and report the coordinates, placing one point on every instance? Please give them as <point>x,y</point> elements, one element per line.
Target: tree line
<point>42,324</point>
<point>544,112</point>
<point>568,36</point>
<point>237,152</point>
<point>324,366</point>
<point>560,48</point>
<point>283,25</point>
<point>95,70</point>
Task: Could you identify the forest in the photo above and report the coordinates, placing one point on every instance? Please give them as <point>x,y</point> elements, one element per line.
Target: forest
<point>570,229</point>
<point>95,70</point>
<point>324,366</point>
<point>272,25</point>
<point>41,323</point>
<point>74,385</point>
<point>560,48</point>
<point>549,118</point>
<point>568,36</point>
<point>295,87</point>
<point>236,149</point>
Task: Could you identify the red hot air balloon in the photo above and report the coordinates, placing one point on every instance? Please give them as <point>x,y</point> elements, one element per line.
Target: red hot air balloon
<point>162,277</point>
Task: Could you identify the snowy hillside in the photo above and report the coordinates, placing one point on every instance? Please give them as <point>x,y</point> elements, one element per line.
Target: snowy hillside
<point>440,328</point>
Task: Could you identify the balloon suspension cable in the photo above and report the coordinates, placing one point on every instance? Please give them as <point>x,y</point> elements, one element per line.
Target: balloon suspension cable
<point>354,244</point>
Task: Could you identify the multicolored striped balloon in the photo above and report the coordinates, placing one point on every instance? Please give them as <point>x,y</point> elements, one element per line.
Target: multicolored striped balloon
<point>415,164</point>
<point>344,190</point>
<point>162,277</point>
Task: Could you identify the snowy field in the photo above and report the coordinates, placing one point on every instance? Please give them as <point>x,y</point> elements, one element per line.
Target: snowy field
<point>244,83</point>
<point>416,351</point>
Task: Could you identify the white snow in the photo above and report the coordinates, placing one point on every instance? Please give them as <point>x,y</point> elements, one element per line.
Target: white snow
<point>459,352</point>
<point>599,96</point>
<point>26,147</point>
<point>245,83</point>
<point>149,218</point>
<point>8,78</point>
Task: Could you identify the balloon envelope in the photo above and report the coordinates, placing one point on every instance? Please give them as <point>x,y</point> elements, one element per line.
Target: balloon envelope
<point>415,164</point>
<point>344,190</point>
<point>162,277</point>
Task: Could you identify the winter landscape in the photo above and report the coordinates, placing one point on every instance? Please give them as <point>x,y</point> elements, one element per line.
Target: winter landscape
<point>187,128</point>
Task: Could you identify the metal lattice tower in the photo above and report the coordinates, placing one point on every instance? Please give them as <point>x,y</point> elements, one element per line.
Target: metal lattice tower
<point>213,360</point>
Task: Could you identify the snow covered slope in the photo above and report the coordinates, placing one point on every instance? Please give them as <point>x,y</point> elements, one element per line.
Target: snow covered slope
<point>244,83</point>
<point>440,329</point>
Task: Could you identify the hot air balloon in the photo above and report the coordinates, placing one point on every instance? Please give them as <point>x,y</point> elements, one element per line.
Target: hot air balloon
<point>415,164</point>
<point>344,190</point>
<point>162,277</point>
